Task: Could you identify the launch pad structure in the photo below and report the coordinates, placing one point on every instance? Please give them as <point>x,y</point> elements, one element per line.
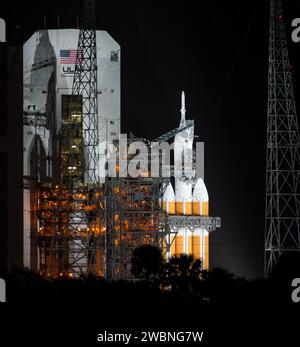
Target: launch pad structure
<point>135,215</point>
<point>76,221</point>
<point>126,213</point>
<point>67,245</point>
<point>70,232</point>
<point>80,221</point>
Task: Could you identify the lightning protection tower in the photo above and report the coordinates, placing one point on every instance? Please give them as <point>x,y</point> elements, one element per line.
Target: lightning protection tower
<point>282,225</point>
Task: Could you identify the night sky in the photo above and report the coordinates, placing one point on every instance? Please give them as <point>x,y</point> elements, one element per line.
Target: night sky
<point>218,54</point>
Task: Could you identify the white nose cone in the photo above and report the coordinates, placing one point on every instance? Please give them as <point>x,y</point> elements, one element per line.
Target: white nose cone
<point>200,191</point>
<point>169,193</point>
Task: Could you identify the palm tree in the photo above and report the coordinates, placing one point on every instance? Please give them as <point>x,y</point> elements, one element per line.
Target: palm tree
<point>147,263</point>
<point>183,274</point>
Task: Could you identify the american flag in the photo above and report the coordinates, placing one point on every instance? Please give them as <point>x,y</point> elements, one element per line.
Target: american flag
<point>68,56</point>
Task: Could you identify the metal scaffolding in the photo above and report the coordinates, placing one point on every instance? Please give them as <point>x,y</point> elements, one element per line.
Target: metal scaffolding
<point>191,222</point>
<point>68,245</point>
<point>170,134</point>
<point>85,86</point>
<point>134,217</point>
<point>282,224</point>
<point>71,233</point>
<point>87,227</point>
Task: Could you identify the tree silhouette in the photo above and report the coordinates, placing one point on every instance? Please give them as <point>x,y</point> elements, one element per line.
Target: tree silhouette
<point>220,285</point>
<point>147,263</point>
<point>183,274</point>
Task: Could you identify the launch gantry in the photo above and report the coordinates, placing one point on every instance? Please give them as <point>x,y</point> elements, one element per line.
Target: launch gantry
<point>79,222</point>
<point>134,217</point>
<point>71,238</point>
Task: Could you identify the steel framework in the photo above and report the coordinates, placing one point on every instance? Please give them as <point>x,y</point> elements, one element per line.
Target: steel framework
<point>88,227</point>
<point>71,232</point>
<point>68,248</point>
<point>134,217</point>
<point>191,222</point>
<point>165,137</point>
<point>282,227</point>
<point>85,85</point>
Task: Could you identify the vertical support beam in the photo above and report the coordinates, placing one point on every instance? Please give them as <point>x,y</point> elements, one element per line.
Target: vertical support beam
<point>85,84</point>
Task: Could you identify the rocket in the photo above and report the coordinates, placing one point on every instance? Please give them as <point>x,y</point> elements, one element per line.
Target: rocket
<point>183,156</point>
<point>169,200</point>
<point>189,201</point>
<point>200,198</point>
<point>185,200</point>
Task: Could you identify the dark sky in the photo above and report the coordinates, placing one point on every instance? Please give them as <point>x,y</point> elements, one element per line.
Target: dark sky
<point>218,54</point>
